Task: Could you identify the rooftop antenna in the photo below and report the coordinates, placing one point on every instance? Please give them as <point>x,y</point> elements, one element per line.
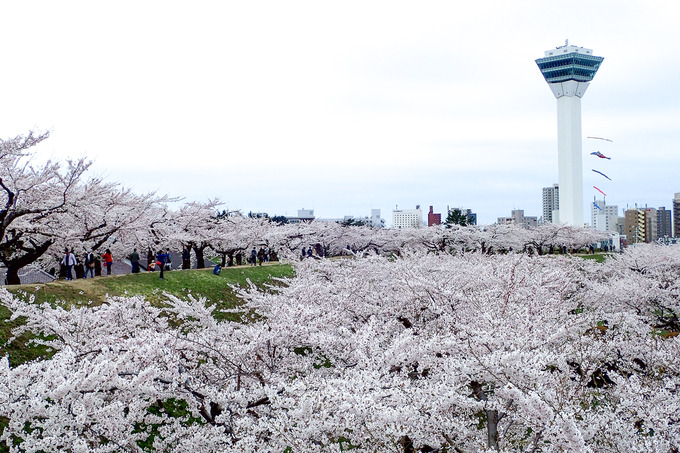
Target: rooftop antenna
<point>566,42</point>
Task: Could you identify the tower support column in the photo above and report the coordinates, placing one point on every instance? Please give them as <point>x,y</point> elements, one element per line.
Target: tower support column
<point>570,162</point>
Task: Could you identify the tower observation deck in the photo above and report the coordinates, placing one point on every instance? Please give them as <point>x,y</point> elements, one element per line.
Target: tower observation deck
<point>568,71</point>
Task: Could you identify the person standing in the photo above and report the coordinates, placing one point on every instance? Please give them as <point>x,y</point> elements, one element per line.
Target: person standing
<point>150,261</point>
<point>253,257</point>
<point>89,264</point>
<point>160,261</point>
<point>134,261</point>
<point>69,261</point>
<point>168,260</point>
<point>186,258</point>
<point>108,261</point>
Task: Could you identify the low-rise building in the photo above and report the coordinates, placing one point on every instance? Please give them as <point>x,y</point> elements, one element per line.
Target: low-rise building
<point>517,217</point>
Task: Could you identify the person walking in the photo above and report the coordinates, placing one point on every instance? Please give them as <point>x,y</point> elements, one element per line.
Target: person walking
<point>89,264</point>
<point>108,261</point>
<point>160,261</point>
<point>260,256</point>
<point>69,261</point>
<point>134,261</point>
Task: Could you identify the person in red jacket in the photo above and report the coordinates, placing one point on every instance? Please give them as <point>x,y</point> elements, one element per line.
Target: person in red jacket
<point>108,260</point>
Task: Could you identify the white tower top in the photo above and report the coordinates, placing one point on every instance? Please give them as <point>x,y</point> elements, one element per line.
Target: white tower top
<point>569,69</point>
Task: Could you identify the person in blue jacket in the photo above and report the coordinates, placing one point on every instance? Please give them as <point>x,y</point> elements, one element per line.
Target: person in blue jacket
<point>161,259</point>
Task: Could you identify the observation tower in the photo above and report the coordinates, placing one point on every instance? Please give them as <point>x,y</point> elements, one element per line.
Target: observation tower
<point>568,71</point>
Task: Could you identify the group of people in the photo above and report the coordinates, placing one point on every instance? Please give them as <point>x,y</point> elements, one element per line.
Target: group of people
<point>91,264</point>
<point>310,253</point>
<point>162,261</point>
<point>260,256</point>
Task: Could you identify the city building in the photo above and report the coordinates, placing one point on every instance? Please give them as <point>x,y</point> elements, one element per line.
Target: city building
<point>676,215</point>
<point>551,204</point>
<point>517,217</point>
<point>640,225</point>
<point>373,221</point>
<point>663,223</point>
<point>604,217</point>
<point>407,218</point>
<point>568,71</point>
<point>376,220</point>
<point>304,215</point>
<point>433,218</point>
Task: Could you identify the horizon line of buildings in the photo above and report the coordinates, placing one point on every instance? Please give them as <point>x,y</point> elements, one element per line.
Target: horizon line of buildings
<point>637,224</point>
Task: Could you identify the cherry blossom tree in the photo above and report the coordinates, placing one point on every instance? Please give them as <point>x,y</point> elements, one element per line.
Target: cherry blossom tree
<point>49,207</point>
<point>32,198</point>
<point>426,352</point>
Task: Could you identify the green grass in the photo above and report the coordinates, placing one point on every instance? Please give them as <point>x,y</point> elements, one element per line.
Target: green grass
<point>599,257</point>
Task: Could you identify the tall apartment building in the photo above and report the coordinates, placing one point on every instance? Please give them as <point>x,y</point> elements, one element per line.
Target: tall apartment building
<point>604,217</point>
<point>676,215</point>
<point>407,218</point>
<point>640,225</point>
<point>663,223</point>
<point>551,204</point>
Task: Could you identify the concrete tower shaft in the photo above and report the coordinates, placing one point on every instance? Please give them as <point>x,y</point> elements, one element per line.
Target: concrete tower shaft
<point>568,71</point>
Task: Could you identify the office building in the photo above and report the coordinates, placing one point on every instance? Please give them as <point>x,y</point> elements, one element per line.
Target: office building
<point>676,216</point>
<point>604,217</point>
<point>664,227</point>
<point>407,218</point>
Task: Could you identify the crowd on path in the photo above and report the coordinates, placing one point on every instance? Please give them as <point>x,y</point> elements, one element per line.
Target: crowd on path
<point>93,263</point>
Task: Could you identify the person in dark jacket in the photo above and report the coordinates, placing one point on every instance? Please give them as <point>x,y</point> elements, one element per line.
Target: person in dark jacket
<point>186,258</point>
<point>161,258</point>
<point>134,261</point>
<point>89,264</point>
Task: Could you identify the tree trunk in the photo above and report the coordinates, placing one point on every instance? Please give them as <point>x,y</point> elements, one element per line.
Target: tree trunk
<point>200,260</point>
<point>492,429</point>
<point>29,256</point>
<point>491,416</point>
<point>12,277</point>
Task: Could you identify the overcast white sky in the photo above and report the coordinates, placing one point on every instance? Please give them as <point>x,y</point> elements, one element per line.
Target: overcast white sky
<point>275,106</point>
